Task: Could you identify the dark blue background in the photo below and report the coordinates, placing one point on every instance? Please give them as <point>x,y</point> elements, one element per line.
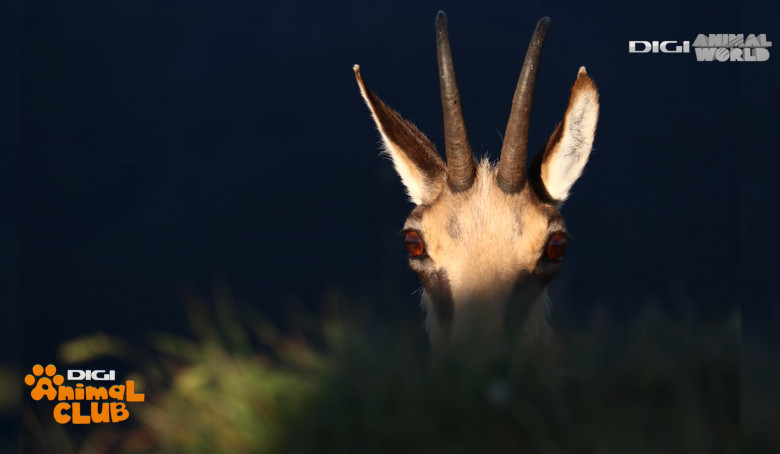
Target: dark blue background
<point>170,144</point>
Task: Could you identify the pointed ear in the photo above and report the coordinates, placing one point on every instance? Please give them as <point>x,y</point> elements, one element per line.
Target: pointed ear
<point>415,158</point>
<point>568,149</point>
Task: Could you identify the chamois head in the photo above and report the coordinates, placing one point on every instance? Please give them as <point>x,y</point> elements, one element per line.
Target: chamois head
<point>486,239</point>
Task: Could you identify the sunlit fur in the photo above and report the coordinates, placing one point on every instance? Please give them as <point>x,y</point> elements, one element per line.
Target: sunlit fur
<point>581,116</point>
<point>488,242</point>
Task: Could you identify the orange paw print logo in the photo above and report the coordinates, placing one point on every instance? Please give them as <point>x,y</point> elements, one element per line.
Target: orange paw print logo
<point>44,386</point>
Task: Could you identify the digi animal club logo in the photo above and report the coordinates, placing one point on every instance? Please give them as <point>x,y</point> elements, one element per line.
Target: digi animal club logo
<point>713,47</point>
<point>83,404</point>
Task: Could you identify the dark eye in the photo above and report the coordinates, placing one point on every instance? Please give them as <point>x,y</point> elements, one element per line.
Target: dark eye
<point>414,244</point>
<point>556,246</point>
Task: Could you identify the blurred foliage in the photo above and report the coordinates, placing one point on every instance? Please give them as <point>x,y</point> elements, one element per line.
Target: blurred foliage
<point>10,383</point>
<point>760,393</point>
<point>10,404</point>
<point>350,382</point>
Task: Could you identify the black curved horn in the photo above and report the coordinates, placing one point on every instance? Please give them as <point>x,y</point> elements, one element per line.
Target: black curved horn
<point>461,170</point>
<point>511,167</point>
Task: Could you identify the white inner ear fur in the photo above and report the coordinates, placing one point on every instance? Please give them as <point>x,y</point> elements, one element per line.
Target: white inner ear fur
<point>411,177</point>
<point>564,164</point>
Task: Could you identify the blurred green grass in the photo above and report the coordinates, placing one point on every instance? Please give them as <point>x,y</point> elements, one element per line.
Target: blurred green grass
<point>351,382</point>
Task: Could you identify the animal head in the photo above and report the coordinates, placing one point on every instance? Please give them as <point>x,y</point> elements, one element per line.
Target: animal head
<point>485,239</point>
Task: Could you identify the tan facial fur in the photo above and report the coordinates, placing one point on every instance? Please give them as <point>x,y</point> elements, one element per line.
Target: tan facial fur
<point>488,243</point>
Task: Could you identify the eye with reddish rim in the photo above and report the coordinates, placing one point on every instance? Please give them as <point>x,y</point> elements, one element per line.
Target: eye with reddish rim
<point>556,246</point>
<point>414,244</point>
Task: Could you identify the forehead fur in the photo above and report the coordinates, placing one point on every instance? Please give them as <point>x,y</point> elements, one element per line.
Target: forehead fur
<point>483,236</point>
